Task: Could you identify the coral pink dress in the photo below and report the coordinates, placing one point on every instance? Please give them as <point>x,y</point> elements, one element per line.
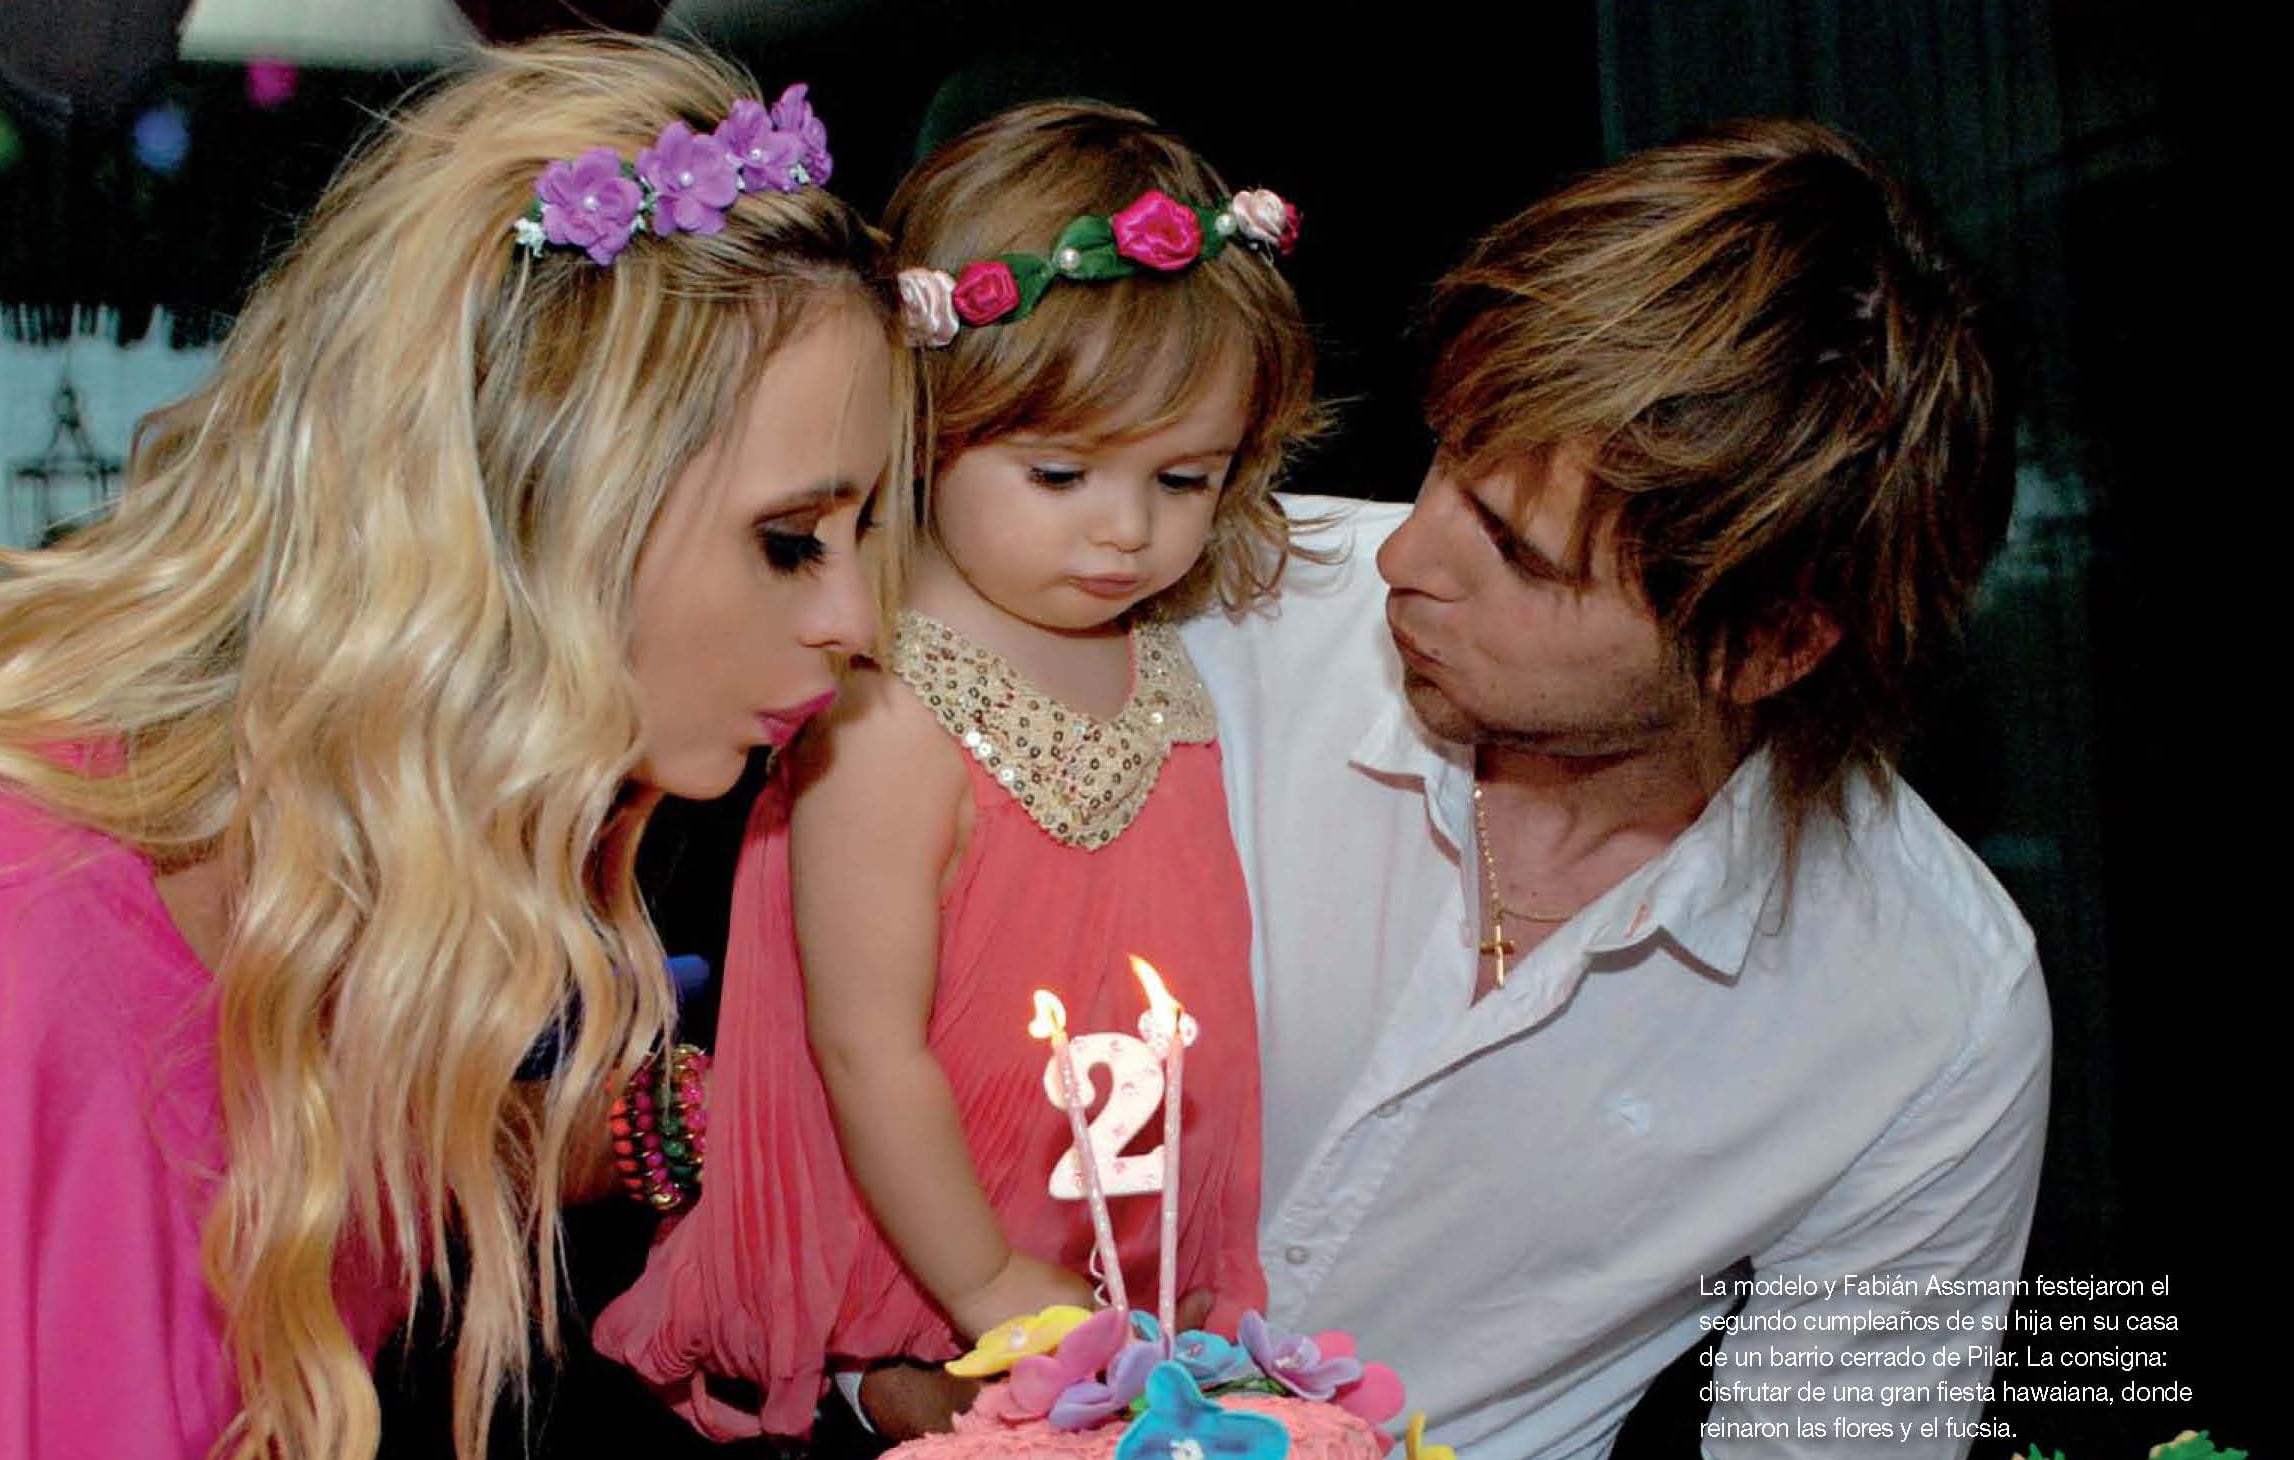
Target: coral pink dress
<point>1092,840</point>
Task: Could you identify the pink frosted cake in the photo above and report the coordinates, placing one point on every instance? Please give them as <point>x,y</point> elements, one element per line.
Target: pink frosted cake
<point>1313,1432</point>
<point>1098,1387</point>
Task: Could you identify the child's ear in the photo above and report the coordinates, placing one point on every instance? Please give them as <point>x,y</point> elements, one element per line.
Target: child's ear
<point>1778,655</point>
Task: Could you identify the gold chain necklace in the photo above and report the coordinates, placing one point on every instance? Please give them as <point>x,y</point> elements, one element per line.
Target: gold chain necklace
<point>1498,948</point>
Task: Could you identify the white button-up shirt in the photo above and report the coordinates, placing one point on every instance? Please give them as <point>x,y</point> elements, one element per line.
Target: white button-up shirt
<point>1526,1205</point>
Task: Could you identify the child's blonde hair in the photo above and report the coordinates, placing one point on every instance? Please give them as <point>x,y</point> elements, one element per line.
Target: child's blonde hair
<point>1126,356</point>
<point>361,626</point>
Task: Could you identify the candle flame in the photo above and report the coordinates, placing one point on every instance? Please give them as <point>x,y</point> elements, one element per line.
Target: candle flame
<point>1050,1015</point>
<point>1160,1005</point>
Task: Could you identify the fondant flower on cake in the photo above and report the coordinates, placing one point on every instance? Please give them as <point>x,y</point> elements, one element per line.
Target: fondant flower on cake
<point>1374,1398</point>
<point>1295,1361</point>
<point>1039,1380</point>
<point>1089,1401</point>
<point>1014,1339</point>
<point>1414,1444</point>
<point>1208,1359</point>
<point>1179,1422</point>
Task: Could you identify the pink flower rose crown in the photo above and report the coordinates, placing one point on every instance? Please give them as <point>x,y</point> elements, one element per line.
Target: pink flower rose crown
<point>1154,233</point>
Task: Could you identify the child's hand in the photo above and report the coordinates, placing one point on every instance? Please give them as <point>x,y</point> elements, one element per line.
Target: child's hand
<point>1023,1286</point>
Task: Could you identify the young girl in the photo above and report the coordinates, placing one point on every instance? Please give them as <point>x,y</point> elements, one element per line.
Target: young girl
<point>1027,792</point>
<point>521,495</point>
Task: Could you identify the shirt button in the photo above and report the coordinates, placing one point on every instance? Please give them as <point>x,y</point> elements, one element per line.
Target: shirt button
<point>1389,1110</point>
<point>1297,1256</point>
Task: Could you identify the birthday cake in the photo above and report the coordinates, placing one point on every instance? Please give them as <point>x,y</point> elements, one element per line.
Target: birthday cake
<point>1086,1386</point>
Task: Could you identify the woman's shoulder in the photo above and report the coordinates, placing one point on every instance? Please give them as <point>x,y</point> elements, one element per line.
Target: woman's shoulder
<point>74,902</point>
<point>44,855</point>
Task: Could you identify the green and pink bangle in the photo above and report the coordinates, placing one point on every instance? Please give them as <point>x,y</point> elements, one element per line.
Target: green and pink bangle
<point>660,1129</point>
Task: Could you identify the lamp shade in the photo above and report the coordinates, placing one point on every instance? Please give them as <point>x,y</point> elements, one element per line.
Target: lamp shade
<point>345,33</point>
<point>504,22</point>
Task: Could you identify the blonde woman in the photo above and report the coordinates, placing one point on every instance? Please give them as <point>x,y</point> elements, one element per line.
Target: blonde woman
<point>536,481</point>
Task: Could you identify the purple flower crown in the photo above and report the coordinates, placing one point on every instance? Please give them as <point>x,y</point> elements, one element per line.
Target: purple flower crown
<point>683,183</point>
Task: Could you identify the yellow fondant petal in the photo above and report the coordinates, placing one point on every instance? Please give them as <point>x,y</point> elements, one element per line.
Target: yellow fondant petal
<point>1414,1442</point>
<point>1008,1342</point>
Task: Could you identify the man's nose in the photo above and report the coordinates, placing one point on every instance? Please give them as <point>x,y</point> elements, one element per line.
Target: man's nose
<point>1414,559</point>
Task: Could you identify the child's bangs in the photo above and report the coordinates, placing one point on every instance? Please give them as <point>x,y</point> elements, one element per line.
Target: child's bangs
<point>1106,361</point>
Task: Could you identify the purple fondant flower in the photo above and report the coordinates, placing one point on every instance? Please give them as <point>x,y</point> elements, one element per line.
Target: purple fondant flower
<point>1088,1401</point>
<point>767,157</point>
<point>1294,1361</point>
<point>693,180</point>
<point>589,204</point>
<point>793,117</point>
<point>1040,1380</point>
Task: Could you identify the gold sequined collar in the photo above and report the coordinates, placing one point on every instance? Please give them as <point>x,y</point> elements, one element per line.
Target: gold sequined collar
<point>1082,780</point>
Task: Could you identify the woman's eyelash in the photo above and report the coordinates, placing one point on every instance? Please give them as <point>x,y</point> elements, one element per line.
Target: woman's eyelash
<point>1180,481</point>
<point>790,552</point>
<point>1055,476</point>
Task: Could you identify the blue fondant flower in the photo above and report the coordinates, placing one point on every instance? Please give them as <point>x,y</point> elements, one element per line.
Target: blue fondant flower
<point>1180,1424</point>
<point>1208,1359</point>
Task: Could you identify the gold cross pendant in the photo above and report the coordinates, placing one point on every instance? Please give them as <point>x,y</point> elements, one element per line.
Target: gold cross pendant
<point>1497,950</point>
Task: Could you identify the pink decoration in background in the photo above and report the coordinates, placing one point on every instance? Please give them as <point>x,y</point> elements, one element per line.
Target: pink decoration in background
<point>271,82</point>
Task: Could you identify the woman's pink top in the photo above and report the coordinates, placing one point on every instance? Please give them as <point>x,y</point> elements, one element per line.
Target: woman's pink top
<point>111,1137</point>
<point>779,1274</point>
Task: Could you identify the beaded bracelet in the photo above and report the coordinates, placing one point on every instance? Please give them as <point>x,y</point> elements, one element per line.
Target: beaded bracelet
<point>660,1129</point>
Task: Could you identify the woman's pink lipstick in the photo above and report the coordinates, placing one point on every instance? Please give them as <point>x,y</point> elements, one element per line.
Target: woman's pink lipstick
<point>781,726</point>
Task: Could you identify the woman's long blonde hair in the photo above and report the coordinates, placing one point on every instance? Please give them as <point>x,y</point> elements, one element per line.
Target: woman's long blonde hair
<point>360,626</point>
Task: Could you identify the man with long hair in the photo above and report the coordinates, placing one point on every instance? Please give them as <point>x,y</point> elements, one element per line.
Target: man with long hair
<point>1610,976</point>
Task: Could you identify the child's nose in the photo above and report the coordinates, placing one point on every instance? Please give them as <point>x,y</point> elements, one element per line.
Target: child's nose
<point>1126,521</point>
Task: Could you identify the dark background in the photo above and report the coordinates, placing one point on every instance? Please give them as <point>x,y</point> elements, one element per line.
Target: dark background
<point>2107,733</point>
